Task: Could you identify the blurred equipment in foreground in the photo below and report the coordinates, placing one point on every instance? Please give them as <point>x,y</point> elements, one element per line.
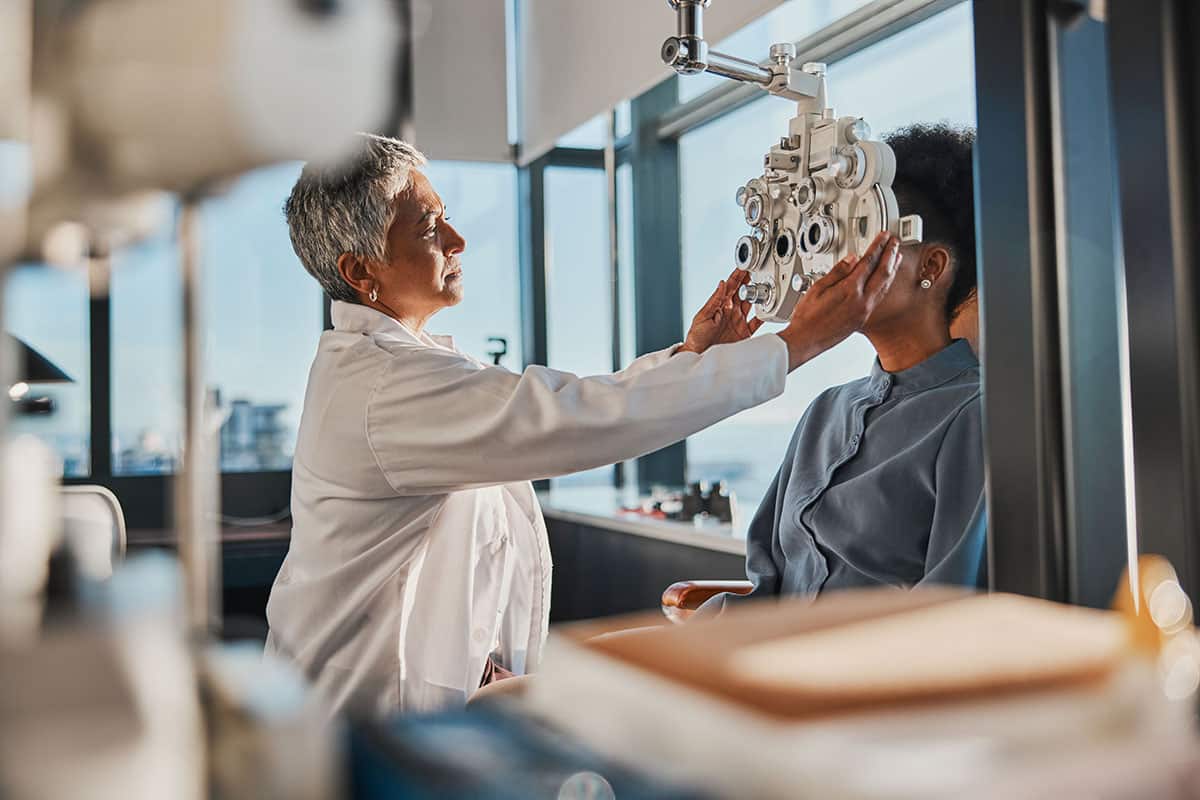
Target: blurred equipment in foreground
<point>32,368</point>
<point>114,686</point>
<point>943,693</point>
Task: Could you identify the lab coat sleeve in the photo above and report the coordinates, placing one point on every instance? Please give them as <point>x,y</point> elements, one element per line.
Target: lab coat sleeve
<point>958,537</point>
<point>437,422</point>
<point>648,361</point>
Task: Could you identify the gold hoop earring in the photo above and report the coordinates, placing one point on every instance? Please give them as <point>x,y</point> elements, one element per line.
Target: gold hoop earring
<point>374,295</point>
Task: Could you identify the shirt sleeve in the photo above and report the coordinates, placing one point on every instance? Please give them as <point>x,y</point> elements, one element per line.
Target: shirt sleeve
<point>958,536</point>
<point>436,422</point>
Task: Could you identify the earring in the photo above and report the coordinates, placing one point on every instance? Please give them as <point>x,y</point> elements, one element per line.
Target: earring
<point>374,295</point>
<point>926,283</point>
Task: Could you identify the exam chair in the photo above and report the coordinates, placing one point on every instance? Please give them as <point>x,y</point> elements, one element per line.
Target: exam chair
<point>681,599</point>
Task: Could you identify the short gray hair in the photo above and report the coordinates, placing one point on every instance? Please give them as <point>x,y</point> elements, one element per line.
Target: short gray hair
<point>347,208</point>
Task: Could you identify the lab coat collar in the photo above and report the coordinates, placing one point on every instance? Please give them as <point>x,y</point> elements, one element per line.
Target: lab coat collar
<point>357,318</point>
<point>944,365</point>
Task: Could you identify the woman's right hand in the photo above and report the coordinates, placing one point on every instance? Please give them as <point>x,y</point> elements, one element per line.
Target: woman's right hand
<point>841,302</point>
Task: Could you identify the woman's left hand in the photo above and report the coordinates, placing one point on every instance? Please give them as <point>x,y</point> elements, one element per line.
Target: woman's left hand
<point>723,318</point>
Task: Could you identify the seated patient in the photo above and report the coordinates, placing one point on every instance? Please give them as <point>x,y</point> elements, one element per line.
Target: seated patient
<point>882,483</point>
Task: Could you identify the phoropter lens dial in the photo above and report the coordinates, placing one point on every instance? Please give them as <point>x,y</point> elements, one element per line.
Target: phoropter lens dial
<point>818,234</point>
<point>746,252</point>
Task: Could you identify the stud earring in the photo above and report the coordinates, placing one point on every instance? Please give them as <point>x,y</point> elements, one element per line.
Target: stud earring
<point>374,295</point>
<point>926,283</point>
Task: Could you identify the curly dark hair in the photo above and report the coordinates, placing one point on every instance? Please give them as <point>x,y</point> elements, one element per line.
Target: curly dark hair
<point>934,178</point>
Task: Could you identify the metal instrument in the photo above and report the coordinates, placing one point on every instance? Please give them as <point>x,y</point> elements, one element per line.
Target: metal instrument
<point>826,187</point>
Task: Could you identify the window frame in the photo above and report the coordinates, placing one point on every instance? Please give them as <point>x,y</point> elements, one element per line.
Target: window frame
<point>146,499</point>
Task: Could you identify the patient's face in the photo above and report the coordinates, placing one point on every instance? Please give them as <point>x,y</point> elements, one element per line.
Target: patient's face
<point>907,299</point>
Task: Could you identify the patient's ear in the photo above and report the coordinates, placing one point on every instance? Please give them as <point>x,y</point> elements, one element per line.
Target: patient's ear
<point>935,263</point>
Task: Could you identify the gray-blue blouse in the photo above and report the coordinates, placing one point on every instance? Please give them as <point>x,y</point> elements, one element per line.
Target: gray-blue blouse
<point>882,484</point>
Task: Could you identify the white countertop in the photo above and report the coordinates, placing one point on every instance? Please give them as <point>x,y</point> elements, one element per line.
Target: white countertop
<point>600,507</point>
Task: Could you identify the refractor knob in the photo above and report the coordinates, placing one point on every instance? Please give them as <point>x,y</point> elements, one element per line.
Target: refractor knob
<point>756,292</point>
<point>783,53</point>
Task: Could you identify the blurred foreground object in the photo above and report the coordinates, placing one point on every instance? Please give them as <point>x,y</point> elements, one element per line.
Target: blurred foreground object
<point>942,693</point>
<point>493,753</point>
<point>106,709</point>
<point>32,368</point>
<point>133,96</point>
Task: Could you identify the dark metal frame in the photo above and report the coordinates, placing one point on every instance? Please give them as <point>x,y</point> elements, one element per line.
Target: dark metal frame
<point>1090,325</point>
<point>658,293</point>
<point>657,255</point>
<point>1018,290</point>
<point>1157,94</point>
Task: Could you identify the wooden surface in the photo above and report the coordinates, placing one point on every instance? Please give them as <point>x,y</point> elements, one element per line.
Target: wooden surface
<point>276,532</point>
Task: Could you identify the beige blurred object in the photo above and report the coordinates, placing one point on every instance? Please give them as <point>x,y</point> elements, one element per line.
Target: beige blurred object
<point>1159,616</point>
<point>675,700</point>
<point>29,532</point>
<point>106,709</point>
<point>94,527</point>
<point>509,688</point>
<point>977,646</point>
<point>134,97</point>
<point>268,736</point>
<point>198,91</point>
<point>16,168</point>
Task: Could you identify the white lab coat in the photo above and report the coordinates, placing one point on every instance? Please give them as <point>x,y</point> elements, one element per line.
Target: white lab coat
<point>418,547</point>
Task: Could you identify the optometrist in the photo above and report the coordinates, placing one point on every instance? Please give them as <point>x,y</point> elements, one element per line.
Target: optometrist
<point>419,568</point>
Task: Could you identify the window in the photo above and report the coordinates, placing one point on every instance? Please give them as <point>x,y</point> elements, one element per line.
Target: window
<point>789,22</point>
<point>146,356</point>
<point>579,287</point>
<point>481,200</point>
<point>262,320</point>
<point>47,309</point>
<point>933,61</point>
<point>263,317</point>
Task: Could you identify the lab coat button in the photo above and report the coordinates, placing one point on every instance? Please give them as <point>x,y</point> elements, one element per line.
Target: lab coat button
<point>480,635</point>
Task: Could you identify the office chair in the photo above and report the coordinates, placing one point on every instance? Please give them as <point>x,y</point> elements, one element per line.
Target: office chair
<point>94,526</point>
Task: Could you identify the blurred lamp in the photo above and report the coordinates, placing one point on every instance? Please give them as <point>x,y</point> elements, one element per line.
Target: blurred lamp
<point>32,367</point>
